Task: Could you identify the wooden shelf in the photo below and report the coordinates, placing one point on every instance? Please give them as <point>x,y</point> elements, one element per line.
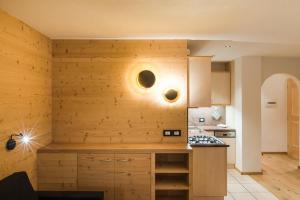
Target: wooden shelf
<point>171,167</point>
<point>171,195</point>
<point>171,185</point>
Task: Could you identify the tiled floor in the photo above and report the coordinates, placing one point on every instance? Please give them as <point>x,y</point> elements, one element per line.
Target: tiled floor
<point>242,187</point>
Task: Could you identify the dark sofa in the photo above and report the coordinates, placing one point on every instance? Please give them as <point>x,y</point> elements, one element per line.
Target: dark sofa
<point>18,187</point>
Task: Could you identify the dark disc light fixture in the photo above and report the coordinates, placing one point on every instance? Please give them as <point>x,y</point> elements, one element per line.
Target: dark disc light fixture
<point>171,95</point>
<point>146,79</point>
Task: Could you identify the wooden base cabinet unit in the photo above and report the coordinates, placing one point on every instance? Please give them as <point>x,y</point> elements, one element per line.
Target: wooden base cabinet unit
<point>173,176</point>
<point>57,171</point>
<point>209,173</point>
<point>96,172</point>
<point>133,177</point>
<point>120,176</point>
<point>122,172</point>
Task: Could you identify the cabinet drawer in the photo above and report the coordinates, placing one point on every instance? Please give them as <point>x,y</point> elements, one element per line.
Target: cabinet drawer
<point>133,185</point>
<point>133,162</point>
<point>96,162</point>
<point>57,171</point>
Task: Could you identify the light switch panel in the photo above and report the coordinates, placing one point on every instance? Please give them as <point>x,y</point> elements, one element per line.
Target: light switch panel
<point>167,132</point>
<point>177,133</point>
<point>172,132</point>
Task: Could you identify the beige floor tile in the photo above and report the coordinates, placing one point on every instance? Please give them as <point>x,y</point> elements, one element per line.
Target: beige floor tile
<point>243,196</point>
<point>244,179</point>
<point>235,188</point>
<point>231,179</point>
<point>229,197</point>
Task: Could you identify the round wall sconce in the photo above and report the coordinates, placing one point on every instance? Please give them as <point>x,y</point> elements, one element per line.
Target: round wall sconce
<point>146,79</point>
<point>171,95</point>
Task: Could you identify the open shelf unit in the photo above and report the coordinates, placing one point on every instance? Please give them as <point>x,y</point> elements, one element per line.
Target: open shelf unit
<point>171,195</point>
<point>172,176</point>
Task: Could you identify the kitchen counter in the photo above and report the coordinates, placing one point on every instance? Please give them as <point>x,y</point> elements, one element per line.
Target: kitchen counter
<point>94,148</point>
<point>209,145</point>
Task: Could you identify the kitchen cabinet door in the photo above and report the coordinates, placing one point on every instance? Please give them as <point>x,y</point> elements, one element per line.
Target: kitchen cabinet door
<point>221,91</point>
<point>231,150</point>
<point>209,172</point>
<point>199,81</point>
<point>133,177</point>
<point>96,172</point>
<point>133,185</point>
<point>57,171</point>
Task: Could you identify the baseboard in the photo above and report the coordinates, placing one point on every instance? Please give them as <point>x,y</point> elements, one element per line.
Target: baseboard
<point>284,153</point>
<point>208,198</point>
<point>230,166</point>
<point>249,173</point>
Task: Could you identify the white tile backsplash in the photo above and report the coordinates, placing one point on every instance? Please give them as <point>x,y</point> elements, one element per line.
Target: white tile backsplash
<point>208,112</point>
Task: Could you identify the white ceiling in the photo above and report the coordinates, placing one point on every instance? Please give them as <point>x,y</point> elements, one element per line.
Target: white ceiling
<point>269,21</point>
<point>230,50</point>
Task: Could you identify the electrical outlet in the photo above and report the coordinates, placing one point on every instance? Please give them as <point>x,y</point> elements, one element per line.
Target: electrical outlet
<point>172,133</point>
<point>177,133</point>
<point>167,132</point>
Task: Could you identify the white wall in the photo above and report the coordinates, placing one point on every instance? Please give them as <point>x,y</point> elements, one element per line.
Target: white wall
<point>274,118</point>
<point>247,110</point>
<point>277,65</point>
<point>237,109</point>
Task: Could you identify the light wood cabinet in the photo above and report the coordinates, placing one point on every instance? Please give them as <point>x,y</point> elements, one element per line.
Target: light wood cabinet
<point>199,77</point>
<point>209,172</point>
<point>120,176</point>
<point>133,177</point>
<point>96,172</point>
<point>57,171</point>
<point>133,185</point>
<point>133,162</point>
<point>220,88</point>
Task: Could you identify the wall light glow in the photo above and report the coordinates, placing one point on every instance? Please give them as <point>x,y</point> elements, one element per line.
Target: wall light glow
<point>25,139</point>
<point>168,76</point>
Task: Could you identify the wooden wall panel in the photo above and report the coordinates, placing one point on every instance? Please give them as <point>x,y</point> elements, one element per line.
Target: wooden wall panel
<point>96,98</point>
<point>25,93</point>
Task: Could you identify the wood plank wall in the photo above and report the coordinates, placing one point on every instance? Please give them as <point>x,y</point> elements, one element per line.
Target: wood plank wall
<point>96,98</point>
<point>25,93</point>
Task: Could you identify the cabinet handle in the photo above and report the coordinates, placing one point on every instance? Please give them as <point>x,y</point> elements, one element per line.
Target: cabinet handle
<point>126,173</point>
<point>124,160</point>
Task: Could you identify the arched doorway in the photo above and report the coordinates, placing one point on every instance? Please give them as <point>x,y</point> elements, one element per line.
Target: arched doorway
<point>280,115</point>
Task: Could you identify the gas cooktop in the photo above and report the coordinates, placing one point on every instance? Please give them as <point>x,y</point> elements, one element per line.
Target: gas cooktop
<point>205,140</point>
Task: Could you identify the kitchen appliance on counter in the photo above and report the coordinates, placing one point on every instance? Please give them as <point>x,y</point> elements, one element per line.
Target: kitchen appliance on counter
<point>205,140</point>
<point>228,137</point>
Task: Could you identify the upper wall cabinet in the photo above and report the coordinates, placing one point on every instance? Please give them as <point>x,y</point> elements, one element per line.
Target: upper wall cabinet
<point>220,84</point>
<point>199,81</point>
